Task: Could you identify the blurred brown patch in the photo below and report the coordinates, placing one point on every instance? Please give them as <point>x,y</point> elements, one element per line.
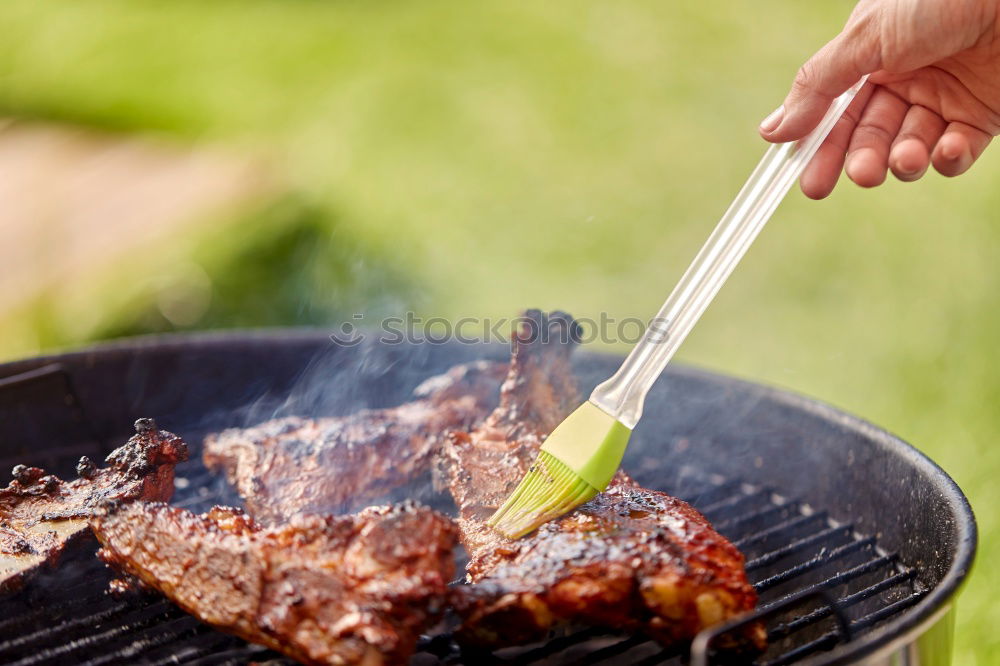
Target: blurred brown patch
<point>72,200</point>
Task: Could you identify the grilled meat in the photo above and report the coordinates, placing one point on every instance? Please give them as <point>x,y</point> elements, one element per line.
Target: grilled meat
<point>631,558</point>
<point>41,514</point>
<point>291,465</point>
<point>325,590</point>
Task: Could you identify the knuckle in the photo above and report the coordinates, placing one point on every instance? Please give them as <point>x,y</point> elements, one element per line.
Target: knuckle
<point>908,135</point>
<point>869,134</point>
<point>805,78</point>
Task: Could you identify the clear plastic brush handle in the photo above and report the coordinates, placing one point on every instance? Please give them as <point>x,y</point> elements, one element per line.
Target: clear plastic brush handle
<point>623,394</point>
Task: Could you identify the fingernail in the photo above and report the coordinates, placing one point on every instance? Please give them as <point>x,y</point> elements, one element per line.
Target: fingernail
<point>897,167</point>
<point>964,162</point>
<point>951,151</point>
<point>957,157</point>
<point>848,160</point>
<point>771,123</point>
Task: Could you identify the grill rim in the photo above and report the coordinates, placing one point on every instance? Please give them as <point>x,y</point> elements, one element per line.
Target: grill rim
<point>900,629</point>
<point>909,624</point>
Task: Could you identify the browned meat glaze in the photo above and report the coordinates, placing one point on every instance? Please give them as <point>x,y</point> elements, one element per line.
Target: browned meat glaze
<point>291,465</point>
<point>40,514</point>
<point>324,590</point>
<point>632,558</point>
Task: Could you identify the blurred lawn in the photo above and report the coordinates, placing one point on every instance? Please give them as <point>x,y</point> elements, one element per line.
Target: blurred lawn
<point>568,154</point>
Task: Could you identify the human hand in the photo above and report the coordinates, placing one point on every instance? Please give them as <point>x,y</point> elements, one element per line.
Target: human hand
<point>933,96</point>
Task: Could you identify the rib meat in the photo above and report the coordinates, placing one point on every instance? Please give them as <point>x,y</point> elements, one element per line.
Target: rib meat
<point>632,558</point>
<point>291,465</point>
<point>325,590</point>
<point>41,514</point>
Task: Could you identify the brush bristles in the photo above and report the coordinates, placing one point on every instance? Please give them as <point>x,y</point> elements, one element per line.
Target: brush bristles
<point>547,491</point>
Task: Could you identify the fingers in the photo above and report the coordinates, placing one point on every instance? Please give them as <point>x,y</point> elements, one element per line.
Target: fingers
<point>868,153</point>
<point>881,131</point>
<point>820,177</point>
<point>910,154</point>
<point>834,69</point>
<point>958,148</point>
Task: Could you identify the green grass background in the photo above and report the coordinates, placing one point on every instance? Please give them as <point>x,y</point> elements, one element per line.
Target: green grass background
<point>471,159</point>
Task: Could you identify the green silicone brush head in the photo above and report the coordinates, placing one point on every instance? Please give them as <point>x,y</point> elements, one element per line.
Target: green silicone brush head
<point>547,491</point>
<point>576,462</point>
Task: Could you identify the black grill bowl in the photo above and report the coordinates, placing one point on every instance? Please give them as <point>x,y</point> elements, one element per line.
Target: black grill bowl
<point>856,542</point>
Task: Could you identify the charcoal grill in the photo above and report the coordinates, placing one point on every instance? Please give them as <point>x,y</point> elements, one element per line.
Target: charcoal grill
<point>856,542</point>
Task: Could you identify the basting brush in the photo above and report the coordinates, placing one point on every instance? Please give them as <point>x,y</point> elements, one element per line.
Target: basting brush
<point>580,457</point>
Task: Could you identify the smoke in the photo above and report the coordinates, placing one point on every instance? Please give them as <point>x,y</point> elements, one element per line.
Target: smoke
<point>690,417</point>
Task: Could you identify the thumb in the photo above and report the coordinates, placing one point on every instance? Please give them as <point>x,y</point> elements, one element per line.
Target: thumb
<point>835,68</point>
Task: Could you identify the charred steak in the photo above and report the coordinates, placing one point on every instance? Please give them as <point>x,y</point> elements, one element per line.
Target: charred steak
<point>291,465</point>
<point>631,558</point>
<point>324,590</point>
<point>40,514</point>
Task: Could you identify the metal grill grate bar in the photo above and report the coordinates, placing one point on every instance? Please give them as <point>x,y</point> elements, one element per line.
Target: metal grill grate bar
<point>734,500</point>
<point>235,656</point>
<point>837,579</point>
<point>785,629</point>
<point>888,611</point>
<point>902,577</point>
<point>827,641</point>
<point>814,563</point>
<point>34,617</point>
<point>557,644</point>
<point>854,572</point>
<point>52,633</point>
<point>205,643</point>
<point>165,633</point>
<point>757,514</point>
<point>611,651</point>
<point>659,658</point>
<point>145,617</point>
<point>780,528</point>
<point>796,546</point>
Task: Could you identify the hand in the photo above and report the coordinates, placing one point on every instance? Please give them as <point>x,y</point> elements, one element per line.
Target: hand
<point>933,96</point>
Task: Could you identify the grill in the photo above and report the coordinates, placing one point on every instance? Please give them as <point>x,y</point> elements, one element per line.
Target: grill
<point>804,491</point>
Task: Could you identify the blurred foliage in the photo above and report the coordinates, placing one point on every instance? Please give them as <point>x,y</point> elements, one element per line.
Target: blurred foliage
<point>287,264</point>
<point>290,262</point>
<point>568,154</point>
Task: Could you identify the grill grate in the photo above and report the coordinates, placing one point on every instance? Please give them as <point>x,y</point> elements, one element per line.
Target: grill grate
<point>820,583</point>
